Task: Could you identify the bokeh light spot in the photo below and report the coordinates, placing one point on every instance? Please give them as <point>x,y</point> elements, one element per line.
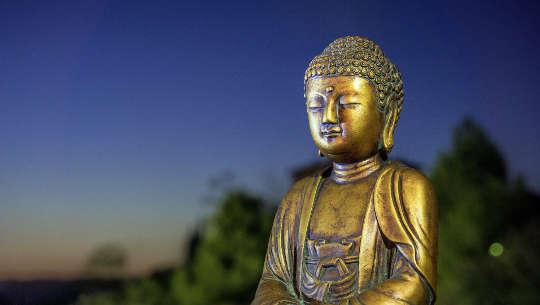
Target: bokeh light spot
<point>496,249</point>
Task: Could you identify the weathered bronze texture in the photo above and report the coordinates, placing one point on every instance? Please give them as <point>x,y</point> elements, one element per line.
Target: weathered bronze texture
<point>365,230</point>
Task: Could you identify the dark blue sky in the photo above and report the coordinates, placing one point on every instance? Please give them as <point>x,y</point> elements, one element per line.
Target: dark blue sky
<point>114,115</point>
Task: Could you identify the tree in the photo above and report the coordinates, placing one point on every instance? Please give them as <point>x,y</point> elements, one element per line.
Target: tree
<point>107,260</point>
<point>487,226</point>
<point>228,258</point>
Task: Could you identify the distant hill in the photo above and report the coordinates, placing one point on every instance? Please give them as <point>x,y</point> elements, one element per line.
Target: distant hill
<point>50,292</point>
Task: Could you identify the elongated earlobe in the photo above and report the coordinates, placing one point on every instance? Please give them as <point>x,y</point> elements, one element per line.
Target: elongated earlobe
<point>389,126</point>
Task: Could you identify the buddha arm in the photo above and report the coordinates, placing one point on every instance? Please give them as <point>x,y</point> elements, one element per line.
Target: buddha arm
<point>404,287</point>
<point>409,220</point>
<point>277,282</point>
<point>273,291</point>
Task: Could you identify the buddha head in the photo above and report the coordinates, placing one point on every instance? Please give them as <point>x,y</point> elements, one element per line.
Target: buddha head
<point>353,98</point>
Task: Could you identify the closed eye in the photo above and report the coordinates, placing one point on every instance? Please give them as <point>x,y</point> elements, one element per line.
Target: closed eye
<point>316,104</point>
<point>349,100</point>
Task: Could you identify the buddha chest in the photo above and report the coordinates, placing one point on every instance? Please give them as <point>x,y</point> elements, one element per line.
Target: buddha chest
<point>340,208</point>
<point>333,240</point>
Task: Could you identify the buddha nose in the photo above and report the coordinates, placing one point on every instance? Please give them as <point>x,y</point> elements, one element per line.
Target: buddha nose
<point>330,113</point>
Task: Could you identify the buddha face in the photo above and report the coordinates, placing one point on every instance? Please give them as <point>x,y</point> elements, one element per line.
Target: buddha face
<point>343,117</point>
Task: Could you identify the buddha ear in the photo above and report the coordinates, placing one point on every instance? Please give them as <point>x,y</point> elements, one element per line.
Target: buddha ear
<point>391,118</point>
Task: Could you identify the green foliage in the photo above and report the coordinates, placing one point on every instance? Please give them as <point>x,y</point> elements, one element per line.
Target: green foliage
<point>139,292</point>
<point>228,259</point>
<point>224,262</point>
<point>99,298</point>
<point>479,207</point>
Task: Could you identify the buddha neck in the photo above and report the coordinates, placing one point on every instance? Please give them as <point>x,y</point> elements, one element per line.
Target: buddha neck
<point>343,173</point>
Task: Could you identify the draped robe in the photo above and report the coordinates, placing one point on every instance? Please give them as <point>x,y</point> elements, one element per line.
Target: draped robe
<point>398,248</point>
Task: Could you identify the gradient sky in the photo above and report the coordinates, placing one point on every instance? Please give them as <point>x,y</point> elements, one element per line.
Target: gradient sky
<point>114,115</point>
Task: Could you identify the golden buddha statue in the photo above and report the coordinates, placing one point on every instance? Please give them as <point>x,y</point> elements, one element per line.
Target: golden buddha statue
<point>365,230</point>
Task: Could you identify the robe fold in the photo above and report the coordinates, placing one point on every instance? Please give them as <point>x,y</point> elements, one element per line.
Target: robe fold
<point>398,248</point>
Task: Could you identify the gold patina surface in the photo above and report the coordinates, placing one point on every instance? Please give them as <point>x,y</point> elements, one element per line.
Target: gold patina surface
<point>365,230</point>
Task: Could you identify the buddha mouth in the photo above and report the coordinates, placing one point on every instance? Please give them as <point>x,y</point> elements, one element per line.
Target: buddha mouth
<point>331,131</point>
<point>331,134</point>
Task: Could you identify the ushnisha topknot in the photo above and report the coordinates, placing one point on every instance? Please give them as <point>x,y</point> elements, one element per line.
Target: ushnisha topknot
<point>354,55</point>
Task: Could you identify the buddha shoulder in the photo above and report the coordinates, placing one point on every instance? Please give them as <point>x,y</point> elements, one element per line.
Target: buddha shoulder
<point>413,194</point>
<point>297,192</point>
<point>416,190</point>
